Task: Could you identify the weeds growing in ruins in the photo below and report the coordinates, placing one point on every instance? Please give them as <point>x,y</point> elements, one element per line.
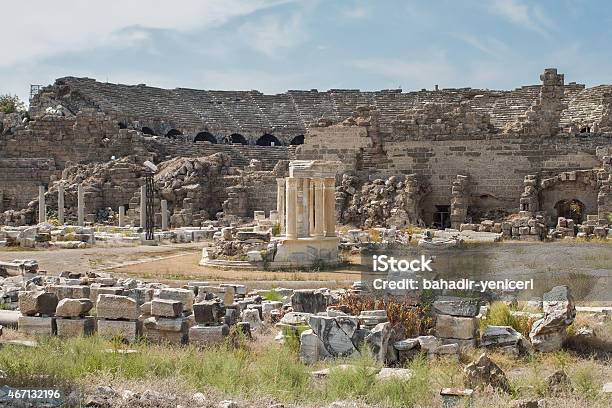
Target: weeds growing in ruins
<point>499,314</point>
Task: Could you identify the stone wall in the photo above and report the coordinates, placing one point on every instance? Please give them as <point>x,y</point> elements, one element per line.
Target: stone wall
<point>20,178</point>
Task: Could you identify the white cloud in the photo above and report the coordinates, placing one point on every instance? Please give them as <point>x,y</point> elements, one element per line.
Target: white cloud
<point>47,28</point>
<point>273,34</point>
<point>488,45</point>
<point>521,14</point>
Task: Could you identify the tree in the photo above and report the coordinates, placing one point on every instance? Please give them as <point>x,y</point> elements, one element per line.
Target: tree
<point>11,104</point>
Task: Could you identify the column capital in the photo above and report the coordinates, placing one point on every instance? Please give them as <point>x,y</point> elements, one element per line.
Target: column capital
<point>280,181</point>
<point>292,182</point>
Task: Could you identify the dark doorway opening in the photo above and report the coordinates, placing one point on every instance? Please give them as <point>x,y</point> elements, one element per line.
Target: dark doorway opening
<point>173,133</point>
<point>441,218</point>
<point>205,137</point>
<point>268,140</point>
<point>122,125</point>
<point>572,209</point>
<point>298,140</point>
<point>148,131</point>
<point>237,138</point>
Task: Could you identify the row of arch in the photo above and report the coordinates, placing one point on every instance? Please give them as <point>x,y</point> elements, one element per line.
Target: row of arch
<point>235,138</point>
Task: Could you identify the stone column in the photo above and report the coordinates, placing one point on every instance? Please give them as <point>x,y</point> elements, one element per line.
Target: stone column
<point>121,215</point>
<point>280,203</point>
<point>143,206</point>
<point>42,207</point>
<point>164,215</point>
<point>319,205</point>
<point>60,203</point>
<point>329,197</point>
<point>311,206</point>
<point>80,206</point>
<point>290,207</point>
<point>305,204</point>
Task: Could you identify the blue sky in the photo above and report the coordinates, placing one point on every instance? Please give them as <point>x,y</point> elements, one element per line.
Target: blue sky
<point>275,45</point>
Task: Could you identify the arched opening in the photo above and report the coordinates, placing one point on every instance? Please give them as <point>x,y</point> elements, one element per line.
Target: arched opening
<point>148,131</point>
<point>173,133</point>
<point>237,138</point>
<point>122,125</point>
<point>205,137</point>
<point>573,209</point>
<point>268,140</point>
<point>298,140</point>
<point>586,129</point>
<point>441,217</point>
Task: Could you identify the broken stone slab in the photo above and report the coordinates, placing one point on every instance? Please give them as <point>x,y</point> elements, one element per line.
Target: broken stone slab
<point>309,301</point>
<point>37,326</point>
<point>68,307</point>
<point>95,290</point>
<point>484,372</point>
<point>456,327</point>
<point>184,296</point>
<point>81,327</point>
<point>336,341</point>
<point>208,312</point>
<point>116,307</point>
<point>37,302</point>
<point>166,308</point>
<point>549,333</point>
<point>208,335</point>
<point>457,306</point>
<point>126,330</point>
<point>252,317</point>
<point>505,338</point>
<point>70,291</point>
<point>378,340</point>
<point>311,348</point>
<point>161,329</point>
<point>428,343</point>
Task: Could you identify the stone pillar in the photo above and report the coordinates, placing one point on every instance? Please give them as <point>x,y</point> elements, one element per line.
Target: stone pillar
<point>164,215</point>
<point>143,206</point>
<point>319,204</point>
<point>121,216</point>
<point>280,203</point>
<point>80,206</point>
<point>305,207</point>
<point>329,213</point>
<point>42,207</point>
<point>290,207</point>
<point>60,203</point>
<point>311,206</point>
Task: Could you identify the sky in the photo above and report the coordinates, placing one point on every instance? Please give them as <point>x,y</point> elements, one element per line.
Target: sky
<point>276,45</point>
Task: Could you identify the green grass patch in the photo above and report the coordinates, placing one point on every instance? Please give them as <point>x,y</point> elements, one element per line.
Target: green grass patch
<point>499,314</point>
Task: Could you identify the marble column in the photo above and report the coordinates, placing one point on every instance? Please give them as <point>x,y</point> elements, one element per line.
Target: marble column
<point>143,206</point>
<point>80,206</point>
<point>305,207</point>
<point>280,203</point>
<point>329,197</point>
<point>42,207</point>
<point>164,215</point>
<point>121,216</point>
<point>319,206</point>
<point>60,204</point>
<point>311,206</point>
<point>291,208</point>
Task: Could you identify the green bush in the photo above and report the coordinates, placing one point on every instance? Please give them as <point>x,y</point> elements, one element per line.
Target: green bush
<point>11,104</point>
<point>500,315</point>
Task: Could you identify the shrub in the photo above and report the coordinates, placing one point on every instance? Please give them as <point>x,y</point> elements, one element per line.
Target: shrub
<point>11,104</point>
<point>500,315</point>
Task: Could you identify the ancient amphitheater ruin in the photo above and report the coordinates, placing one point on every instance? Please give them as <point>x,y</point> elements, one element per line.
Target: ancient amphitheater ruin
<point>446,157</point>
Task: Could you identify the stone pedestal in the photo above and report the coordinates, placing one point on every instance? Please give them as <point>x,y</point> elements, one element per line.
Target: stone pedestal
<point>122,216</point>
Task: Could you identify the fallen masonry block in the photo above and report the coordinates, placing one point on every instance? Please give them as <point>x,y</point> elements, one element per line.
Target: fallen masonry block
<point>37,302</point>
<point>309,301</point>
<point>208,312</point>
<point>127,330</point>
<point>70,291</point>
<point>184,296</point>
<point>76,327</point>
<point>95,290</point>
<point>36,326</point>
<point>208,335</point>
<point>456,327</point>
<point>456,306</point>
<point>68,307</point>
<point>166,308</point>
<point>166,330</point>
<point>116,307</point>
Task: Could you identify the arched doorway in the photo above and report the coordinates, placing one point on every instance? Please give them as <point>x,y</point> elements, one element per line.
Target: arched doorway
<point>572,209</point>
<point>205,137</point>
<point>122,125</point>
<point>298,140</point>
<point>173,133</point>
<point>148,131</point>
<point>268,140</point>
<point>237,138</point>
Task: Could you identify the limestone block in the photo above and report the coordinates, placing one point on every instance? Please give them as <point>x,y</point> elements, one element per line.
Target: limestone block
<point>128,330</point>
<point>208,335</point>
<point>456,327</point>
<point>208,312</point>
<point>68,307</point>
<point>95,290</point>
<point>456,306</point>
<point>309,301</point>
<point>76,327</point>
<point>252,317</point>
<point>184,296</point>
<point>70,291</point>
<point>33,302</point>
<point>378,340</point>
<point>166,308</point>
<point>116,307</point>
<point>311,348</point>
<point>160,329</point>
<point>36,326</point>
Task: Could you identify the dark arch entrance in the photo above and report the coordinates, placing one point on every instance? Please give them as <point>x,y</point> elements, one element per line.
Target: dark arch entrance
<point>205,137</point>
<point>298,140</point>
<point>572,209</point>
<point>237,138</point>
<point>122,125</point>
<point>148,131</point>
<point>173,133</point>
<point>268,140</point>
